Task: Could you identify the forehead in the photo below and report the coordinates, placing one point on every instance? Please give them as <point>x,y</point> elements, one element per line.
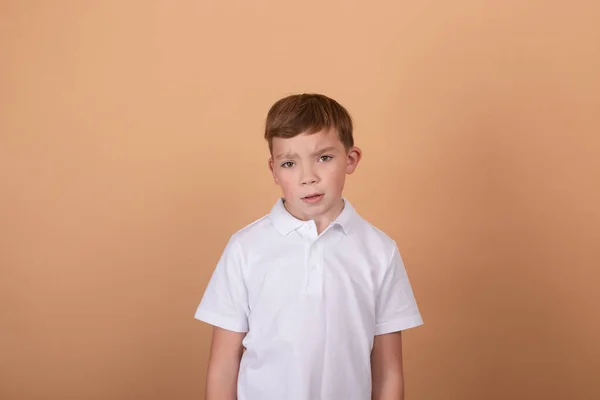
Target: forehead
<point>307,142</point>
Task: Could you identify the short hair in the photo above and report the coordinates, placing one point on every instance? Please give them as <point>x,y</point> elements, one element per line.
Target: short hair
<point>308,113</point>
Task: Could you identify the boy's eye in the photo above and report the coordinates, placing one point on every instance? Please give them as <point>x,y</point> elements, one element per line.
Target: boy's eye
<point>325,158</point>
<point>287,164</point>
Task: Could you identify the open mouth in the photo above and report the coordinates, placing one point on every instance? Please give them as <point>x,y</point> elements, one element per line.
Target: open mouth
<point>313,198</point>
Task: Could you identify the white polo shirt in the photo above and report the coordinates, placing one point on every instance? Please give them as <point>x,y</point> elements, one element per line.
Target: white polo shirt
<point>310,304</point>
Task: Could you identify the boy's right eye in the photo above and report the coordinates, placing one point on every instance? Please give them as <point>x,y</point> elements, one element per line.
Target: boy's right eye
<point>287,164</point>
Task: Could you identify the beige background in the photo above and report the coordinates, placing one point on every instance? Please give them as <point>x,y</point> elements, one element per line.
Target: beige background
<point>131,148</point>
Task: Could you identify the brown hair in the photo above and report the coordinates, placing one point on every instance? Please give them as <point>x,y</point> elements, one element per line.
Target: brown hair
<point>307,113</point>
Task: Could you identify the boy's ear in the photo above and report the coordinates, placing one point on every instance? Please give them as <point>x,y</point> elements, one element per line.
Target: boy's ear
<point>273,171</point>
<point>352,159</point>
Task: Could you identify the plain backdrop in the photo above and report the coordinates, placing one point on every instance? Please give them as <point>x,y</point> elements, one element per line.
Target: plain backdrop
<point>131,149</point>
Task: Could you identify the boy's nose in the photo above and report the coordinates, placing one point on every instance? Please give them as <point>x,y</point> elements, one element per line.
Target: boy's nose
<point>308,177</point>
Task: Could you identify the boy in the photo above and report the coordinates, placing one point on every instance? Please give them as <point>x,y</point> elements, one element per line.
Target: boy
<point>308,302</point>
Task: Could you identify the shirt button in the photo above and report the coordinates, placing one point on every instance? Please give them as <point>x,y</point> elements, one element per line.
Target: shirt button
<point>306,227</point>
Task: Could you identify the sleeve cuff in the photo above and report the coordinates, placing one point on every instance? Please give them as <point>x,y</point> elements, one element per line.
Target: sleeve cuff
<point>221,322</point>
<point>396,326</point>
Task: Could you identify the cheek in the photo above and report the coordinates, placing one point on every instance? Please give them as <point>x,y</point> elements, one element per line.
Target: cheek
<point>337,172</point>
<point>285,181</point>
<point>338,177</point>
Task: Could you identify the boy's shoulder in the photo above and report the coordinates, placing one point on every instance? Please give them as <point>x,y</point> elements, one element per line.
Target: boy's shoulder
<point>366,232</point>
<point>258,228</point>
<point>368,228</point>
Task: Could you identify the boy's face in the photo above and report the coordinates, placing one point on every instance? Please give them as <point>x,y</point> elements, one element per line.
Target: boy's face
<point>311,170</point>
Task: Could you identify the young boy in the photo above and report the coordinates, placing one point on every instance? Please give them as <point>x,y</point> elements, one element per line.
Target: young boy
<point>308,302</point>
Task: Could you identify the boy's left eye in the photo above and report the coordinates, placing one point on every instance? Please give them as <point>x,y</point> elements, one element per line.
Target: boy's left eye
<point>325,158</point>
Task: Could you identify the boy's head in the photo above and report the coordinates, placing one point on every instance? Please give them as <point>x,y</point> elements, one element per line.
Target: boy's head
<point>312,150</point>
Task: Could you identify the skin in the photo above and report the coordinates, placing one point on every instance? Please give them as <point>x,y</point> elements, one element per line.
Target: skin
<point>223,364</point>
<point>386,367</point>
<point>302,166</point>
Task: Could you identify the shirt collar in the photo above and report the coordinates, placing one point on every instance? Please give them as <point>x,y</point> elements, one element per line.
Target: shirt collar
<point>285,223</point>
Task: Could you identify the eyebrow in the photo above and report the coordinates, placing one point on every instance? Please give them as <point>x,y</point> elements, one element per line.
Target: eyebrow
<point>294,155</point>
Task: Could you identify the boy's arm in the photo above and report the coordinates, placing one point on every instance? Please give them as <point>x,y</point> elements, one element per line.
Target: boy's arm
<point>386,367</point>
<point>223,364</point>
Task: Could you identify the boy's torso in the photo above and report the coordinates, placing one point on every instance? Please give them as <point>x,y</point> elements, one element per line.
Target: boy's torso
<point>311,307</point>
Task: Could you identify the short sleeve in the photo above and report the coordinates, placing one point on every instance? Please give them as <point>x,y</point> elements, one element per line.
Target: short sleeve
<point>396,306</point>
<point>224,303</point>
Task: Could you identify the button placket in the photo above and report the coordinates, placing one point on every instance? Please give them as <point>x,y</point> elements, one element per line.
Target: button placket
<point>313,268</point>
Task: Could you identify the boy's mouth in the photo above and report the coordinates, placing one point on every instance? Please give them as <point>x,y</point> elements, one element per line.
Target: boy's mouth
<point>313,198</point>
